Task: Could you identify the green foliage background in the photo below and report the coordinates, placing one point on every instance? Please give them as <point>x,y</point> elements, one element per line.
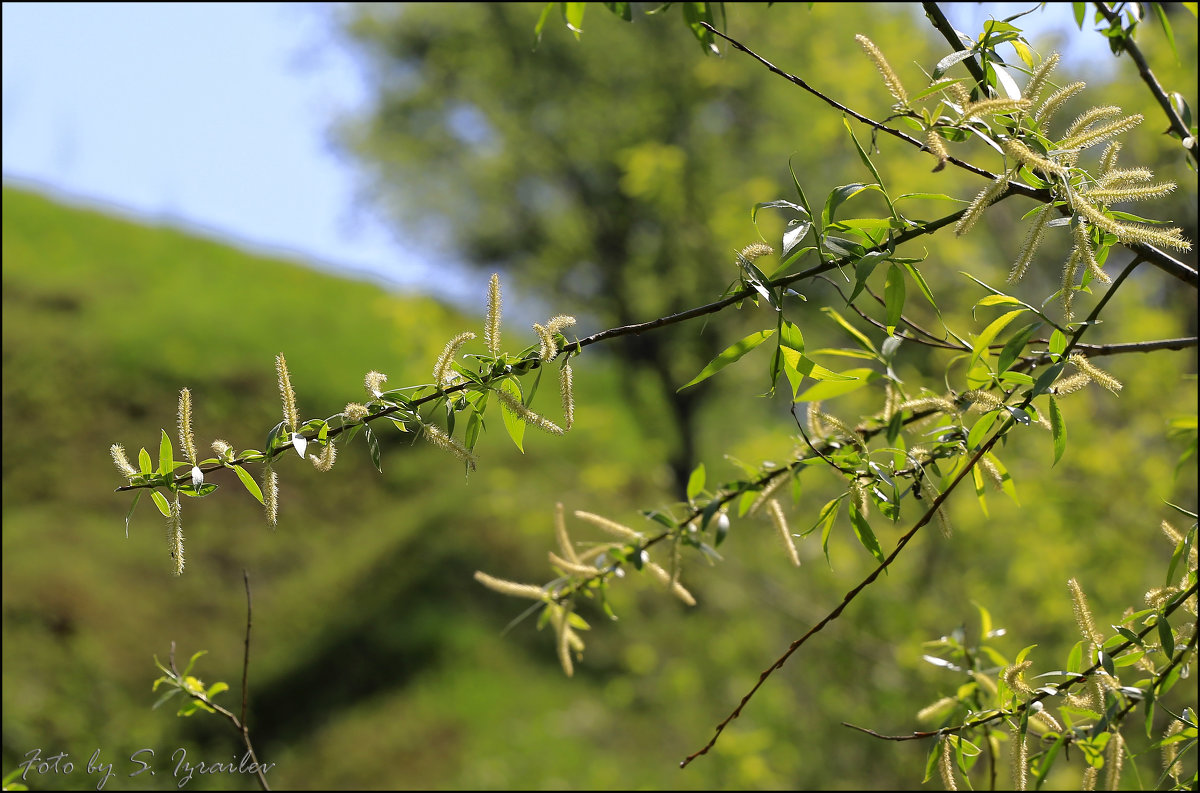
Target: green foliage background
<point>377,661</point>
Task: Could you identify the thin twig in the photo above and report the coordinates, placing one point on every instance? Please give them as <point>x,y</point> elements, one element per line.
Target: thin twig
<point>595,338</point>
<point>239,724</point>
<point>1158,258</point>
<point>853,593</point>
<point>943,26</point>
<point>929,513</point>
<point>1156,89</point>
<point>1047,691</point>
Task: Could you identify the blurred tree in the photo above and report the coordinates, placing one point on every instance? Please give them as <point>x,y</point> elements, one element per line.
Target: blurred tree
<point>507,157</point>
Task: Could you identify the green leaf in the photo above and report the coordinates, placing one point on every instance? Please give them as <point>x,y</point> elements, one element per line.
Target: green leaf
<point>661,517</point>
<point>862,530</point>
<point>945,63</point>
<point>980,430</point>
<point>840,195</point>
<point>372,446</point>
<point>694,14</point>
<point>1014,346</point>
<point>862,155</point>
<point>977,478</point>
<point>989,333</point>
<point>1166,26</point>
<point>808,367</point>
<point>1166,636</point>
<point>695,482</point>
<point>853,331</point>
<point>1058,428</point>
<point>828,389</point>
<point>144,462</point>
<point>248,482</point>
<point>166,462</point>
<point>893,297</point>
<point>161,502</point>
<point>825,520</point>
<point>512,422</point>
<point>1007,486</point>
<point>573,16</point>
<point>129,515</point>
<point>998,300</point>
<point>730,355</point>
<point>919,280</point>
<point>623,10</point>
<point>1058,342</point>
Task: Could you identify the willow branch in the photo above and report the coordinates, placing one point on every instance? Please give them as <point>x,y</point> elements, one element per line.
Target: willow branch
<point>1057,689</point>
<point>849,597</point>
<point>1156,89</point>
<point>238,724</point>
<point>595,338</point>
<point>1158,258</point>
<point>943,26</point>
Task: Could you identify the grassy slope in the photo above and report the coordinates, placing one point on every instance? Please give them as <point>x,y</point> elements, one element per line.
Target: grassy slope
<point>362,591</point>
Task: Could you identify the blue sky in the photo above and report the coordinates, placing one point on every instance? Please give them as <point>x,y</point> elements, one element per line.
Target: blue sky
<point>217,118</point>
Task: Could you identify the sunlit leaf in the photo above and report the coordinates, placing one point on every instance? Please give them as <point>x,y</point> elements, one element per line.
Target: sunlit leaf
<point>730,355</point>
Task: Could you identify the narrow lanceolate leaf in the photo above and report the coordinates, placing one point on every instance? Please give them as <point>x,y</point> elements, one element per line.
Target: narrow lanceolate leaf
<point>248,481</point>
<point>990,333</point>
<point>166,462</point>
<point>161,502</point>
<point>804,365</point>
<point>129,515</point>
<point>893,297</point>
<point>862,530</point>
<point>828,389</point>
<point>825,520</point>
<point>695,482</point>
<point>1014,346</point>
<point>144,461</point>
<point>373,446</point>
<point>573,16</point>
<point>514,424</point>
<point>730,355</point>
<point>1059,429</point>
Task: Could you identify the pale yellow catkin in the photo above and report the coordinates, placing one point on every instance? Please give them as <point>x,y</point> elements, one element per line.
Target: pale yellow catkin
<point>187,441</point>
<point>443,373</point>
<point>512,588</point>
<point>676,588</point>
<point>981,202</point>
<point>324,462</point>
<point>491,326</point>
<point>514,404</point>
<point>946,765</point>
<point>287,394</point>
<point>611,526</point>
<point>121,461</point>
<point>373,382</point>
<point>885,69</point>
<point>781,526</point>
<point>175,534</point>
<point>270,491</point>
<point>560,533</point>
<point>567,392</point>
<point>1037,80</point>
<point>1033,239</point>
